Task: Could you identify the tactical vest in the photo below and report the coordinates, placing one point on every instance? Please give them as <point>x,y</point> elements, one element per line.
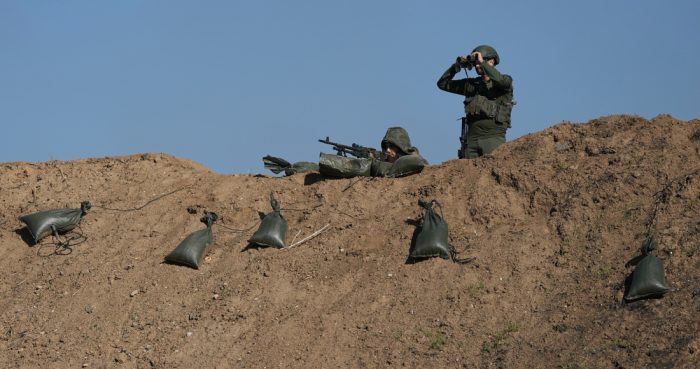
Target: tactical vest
<point>489,103</point>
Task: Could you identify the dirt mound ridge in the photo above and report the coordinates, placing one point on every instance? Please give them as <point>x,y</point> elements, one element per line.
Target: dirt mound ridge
<point>552,218</point>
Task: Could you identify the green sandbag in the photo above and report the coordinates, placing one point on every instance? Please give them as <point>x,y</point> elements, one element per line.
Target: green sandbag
<point>648,279</point>
<point>44,223</point>
<point>301,167</point>
<point>343,167</point>
<point>190,252</point>
<point>278,165</point>
<point>431,240</point>
<point>273,228</point>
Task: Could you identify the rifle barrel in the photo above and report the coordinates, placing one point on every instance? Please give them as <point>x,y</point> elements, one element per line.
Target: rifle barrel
<point>355,150</point>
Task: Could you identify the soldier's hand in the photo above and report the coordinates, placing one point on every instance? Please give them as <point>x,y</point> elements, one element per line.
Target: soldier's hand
<point>478,57</point>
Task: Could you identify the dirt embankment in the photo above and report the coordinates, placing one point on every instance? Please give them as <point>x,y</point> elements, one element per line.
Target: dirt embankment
<point>552,218</point>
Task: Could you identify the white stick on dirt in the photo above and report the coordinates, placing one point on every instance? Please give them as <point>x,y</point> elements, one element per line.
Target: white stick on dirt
<point>309,237</point>
<point>295,236</point>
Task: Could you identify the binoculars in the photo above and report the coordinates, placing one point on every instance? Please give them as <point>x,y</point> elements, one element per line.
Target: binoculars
<point>467,62</point>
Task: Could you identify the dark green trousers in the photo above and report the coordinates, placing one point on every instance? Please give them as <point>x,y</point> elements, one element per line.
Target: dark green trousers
<point>481,146</point>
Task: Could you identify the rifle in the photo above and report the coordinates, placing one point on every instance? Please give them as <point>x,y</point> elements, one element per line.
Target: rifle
<point>462,152</point>
<point>355,150</point>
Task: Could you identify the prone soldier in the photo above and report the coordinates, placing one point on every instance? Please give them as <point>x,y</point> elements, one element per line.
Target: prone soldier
<point>397,158</point>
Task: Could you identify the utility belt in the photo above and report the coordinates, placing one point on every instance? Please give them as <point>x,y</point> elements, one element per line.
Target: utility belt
<point>481,106</point>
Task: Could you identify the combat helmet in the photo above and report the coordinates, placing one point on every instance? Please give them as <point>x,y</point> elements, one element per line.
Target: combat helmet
<point>487,52</point>
<point>398,137</point>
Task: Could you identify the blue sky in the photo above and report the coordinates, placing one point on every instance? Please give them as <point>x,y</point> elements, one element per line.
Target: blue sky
<point>225,83</point>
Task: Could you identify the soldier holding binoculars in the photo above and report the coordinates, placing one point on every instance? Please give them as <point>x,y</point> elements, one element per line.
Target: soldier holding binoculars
<point>488,101</point>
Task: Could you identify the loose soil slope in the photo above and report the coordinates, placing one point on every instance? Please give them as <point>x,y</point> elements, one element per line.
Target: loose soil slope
<point>551,218</point>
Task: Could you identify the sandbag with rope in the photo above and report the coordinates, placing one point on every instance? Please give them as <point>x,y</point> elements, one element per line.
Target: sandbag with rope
<point>431,238</point>
<point>648,279</point>
<point>191,251</point>
<point>55,221</point>
<point>273,228</point>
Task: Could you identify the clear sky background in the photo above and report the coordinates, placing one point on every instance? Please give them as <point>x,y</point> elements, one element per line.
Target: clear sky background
<point>226,82</point>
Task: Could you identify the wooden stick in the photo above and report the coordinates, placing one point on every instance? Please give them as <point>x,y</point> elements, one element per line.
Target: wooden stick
<point>295,236</point>
<point>309,237</point>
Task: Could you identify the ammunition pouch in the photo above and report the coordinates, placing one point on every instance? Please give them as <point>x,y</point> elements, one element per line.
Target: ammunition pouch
<point>481,106</point>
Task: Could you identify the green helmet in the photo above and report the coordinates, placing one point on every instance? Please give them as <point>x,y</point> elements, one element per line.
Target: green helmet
<point>487,52</point>
<point>398,137</point>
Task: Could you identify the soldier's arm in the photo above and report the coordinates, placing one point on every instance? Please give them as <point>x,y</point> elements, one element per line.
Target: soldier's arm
<point>403,166</point>
<point>460,86</point>
<point>502,81</point>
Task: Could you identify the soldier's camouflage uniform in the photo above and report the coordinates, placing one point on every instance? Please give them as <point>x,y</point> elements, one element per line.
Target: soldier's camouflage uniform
<point>409,162</point>
<point>487,105</point>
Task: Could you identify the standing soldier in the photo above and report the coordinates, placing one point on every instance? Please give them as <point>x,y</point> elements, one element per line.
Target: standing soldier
<point>488,101</point>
